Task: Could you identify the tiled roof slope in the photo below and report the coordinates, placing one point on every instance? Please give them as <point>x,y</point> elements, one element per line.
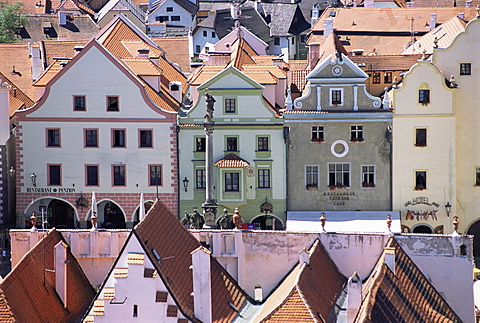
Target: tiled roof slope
<point>176,50</point>
<point>232,160</point>
<point>54,48</point>
<point>6,315</point>
<point>286,19</point>
<point>17,57</point>
<point>308,293</point>
<point>30,6</point>
<point>17,99</point>
<point>162,231</point>
<point>385,62</point>
<point>30,289</point>
<point>403,296</point>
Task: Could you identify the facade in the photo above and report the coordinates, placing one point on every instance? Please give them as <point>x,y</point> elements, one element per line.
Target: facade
<point>249,151</point>
<point>87,136</point>
<point>339,146</point>
<point>178,15</point>
<point>122,7</point>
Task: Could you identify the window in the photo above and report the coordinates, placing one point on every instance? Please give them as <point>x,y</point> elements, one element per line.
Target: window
<point>91,138</point>
<point>135,310</point>
<point>201,176</point>
<point>146,139</point>
<point>229,105</point>
<point>79,103</point>
<point>161,18</point>
<point>339,175</point>
<point>92,175</point>
<point>232,182</point>
<point>368,176</point>
<point>336,97</point>
<point>356,133</point>
<point>118,175</point>
<point>118,138</point>
<point>53,137</point>
<point>155,175</point>
<point>264,178</point>
<point>303,39</point>
<point>200,144</point>
<point>477,176</point>
<point>376,78</point>
<point>54,175</point>
<point>465,68</point>
<point>276,41</point>
<point>293,40</point>
<point>213,34</point>
<point>420,137</point>
<point>112,103</point>
<point>169,9</point>
<point>311,177</point>
<point>420,180</point>
<point>204,33</point>
<point>198,48</point>
<point>232,144</point>
<point>317,134</point>
<point>424,96</point>
<point>175,18</point>
<point>262,143</point>
<point>387,78</point>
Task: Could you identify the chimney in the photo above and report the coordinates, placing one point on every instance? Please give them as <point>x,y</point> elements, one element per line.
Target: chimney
<point>313,53</point>
<point>354,297</point>
<point>202,284</point>
<point>143,53</point>
<point>61,271</point>
<point>315,14</point>
<point>468,4</point>
<point>433,21</point>
<point>62,18</point>
<point>461,15</point>
<point>4,112</point>
<point>390,258</point>
<point>175,88</point>
<point>258,293</point>
<point>370,3</point>
<point>327,27</point>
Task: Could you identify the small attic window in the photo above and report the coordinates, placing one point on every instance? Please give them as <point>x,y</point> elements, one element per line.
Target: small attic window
<point>174,87</point>
<point>332,14</point>
<point>46,26</point>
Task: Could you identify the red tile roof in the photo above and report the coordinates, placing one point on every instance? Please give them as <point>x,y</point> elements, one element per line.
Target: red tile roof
<point>176,50</point>
<point>232,160</point>
<point>18,99</point>
<point>30,287</point>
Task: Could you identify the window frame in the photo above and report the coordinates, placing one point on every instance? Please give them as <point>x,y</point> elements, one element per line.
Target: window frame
<point>111,108</point>
<point>424,96</point>
<point>77,107</point>
<point>418,186</point>
<point>331,97</point>
<point>152,183</point>
<point>175,18</point>
<point>232,184</point>
<point>418,142</point>
<point>276,41</point>
<point>124,138</point>
<point>140,131</point>
<point>231,138</point>
<point>477,175</point>
<point>204,33</point>
<point>200,144</point>
<point>202,184</point>
<point>342,172</point>
<point>357,133</point>
<point>387,77</point>
<point>228,107</point>
<point>85,138</point>
<point>49,172</point>
<point>263,178</point>
<point>368,177</point>
<point>376,78</point>
<point>57,140</point>
<point>169,9</point>
<point>317,134</point>
<point>261,143</point>
<point>87,177</point>
<point>312,174</point>
<point>124,167</point>
<point>465,71</point>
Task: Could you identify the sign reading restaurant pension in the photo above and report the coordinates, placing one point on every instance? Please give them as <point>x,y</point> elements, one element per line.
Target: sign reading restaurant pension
<point>50,190</point>
<point>339,198</point>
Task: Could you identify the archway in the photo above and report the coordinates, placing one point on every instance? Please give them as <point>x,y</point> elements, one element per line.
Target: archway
<point>113,216</point>
<point>57,213</point>
<point>268,222</point>
<point>475,231</point>
<point>422,229</point>
<point>136,219</point>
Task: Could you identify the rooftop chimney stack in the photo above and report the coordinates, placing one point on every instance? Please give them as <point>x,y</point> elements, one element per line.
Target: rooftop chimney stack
<point>202,284</point>
<point>468,4</point>
<point>313,53</point>
<point>370,3</point>
<point>61,271</point>
<point>327,27</point>
<point>390,258</point>
<point>4,112</point>
<point>433,21</point>
<point>354,297</point>
<point>315,14</point>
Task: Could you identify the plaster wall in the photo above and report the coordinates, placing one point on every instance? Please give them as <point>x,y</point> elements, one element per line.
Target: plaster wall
<point>257,44</point>
<point>186,19</point>
<point>200,40</point>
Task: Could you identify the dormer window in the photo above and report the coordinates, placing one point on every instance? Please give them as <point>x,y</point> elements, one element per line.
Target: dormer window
<point>47,25</point>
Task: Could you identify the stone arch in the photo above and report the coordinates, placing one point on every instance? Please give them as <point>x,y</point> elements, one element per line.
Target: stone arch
<point>58,212</point>
<point>148,204</point>
<point>474,230</point>
<point>110,215</point>
<point>268,222</point>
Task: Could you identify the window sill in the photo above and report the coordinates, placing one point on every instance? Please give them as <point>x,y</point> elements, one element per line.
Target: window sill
<point>357,140</point>
<point>264,188</point>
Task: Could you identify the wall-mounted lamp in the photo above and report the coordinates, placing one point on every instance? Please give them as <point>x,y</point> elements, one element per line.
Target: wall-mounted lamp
<point>33,177</point>
<point>448,208</point>
<point>11,171</point>
<point>185,183</point>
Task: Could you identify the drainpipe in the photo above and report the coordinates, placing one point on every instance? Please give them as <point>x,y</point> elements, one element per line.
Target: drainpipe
<point>286,135</point>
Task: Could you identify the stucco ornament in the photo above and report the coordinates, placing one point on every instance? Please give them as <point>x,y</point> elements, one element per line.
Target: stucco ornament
<point>337,70</point>
<point>338,151</point>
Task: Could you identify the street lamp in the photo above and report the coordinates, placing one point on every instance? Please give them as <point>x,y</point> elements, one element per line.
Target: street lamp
<point>448,208</point>
<point>185,183</point>
<point>33,177</point>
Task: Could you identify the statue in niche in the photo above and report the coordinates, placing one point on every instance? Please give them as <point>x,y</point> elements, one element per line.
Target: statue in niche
<point>209,102</point>
<point>196,220</point>
<point>225,222</point>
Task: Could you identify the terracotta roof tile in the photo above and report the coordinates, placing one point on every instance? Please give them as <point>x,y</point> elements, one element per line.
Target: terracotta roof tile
<point>232,160</point>
<point>385,62</point>
<point>30,289</point>
<point>6,314</point>
<point>292,310</point>
<point>142,66</point>
<point>176,50</point>
<point>404,296</point>
<point>262,76</point>
<point>18,99</point>
<point>161,231</point>
<point>297,79</point>
<point>55,48</point>
<point>16,57</point>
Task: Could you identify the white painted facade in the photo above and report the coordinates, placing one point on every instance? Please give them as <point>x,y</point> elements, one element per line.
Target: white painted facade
<point>224,44</point>
<point>201,37</point>
<point>96,75</point>
<point>173,15</point>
